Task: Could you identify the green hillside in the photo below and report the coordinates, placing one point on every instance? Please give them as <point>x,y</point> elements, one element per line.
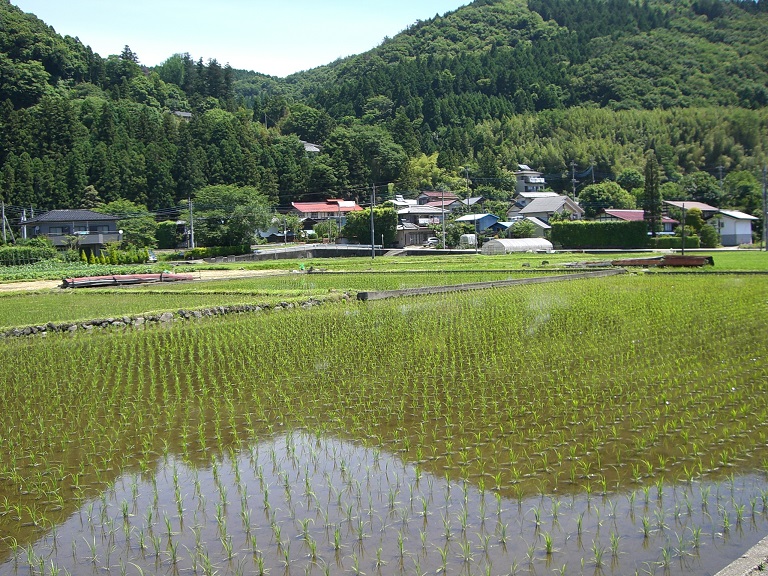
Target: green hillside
<point>561,85</point>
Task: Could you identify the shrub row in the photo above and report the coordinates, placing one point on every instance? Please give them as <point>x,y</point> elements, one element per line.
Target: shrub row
<point>211,252</point>
<point>591,234</point>
<point>674,242</point>
<point>16,255</point>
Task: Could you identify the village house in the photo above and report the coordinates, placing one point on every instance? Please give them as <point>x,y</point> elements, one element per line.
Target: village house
<point>437,196</point>
<point>331,209</point>
<point>544,208</point>
<point>481,222</point>
<point>529,180</point>
<point>83,229</point>
<point>668,224</point>
<point>420,215</point>
<point>540,227</point>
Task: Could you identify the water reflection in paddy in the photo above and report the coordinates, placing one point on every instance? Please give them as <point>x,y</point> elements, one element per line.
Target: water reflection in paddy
<point>312,504</point>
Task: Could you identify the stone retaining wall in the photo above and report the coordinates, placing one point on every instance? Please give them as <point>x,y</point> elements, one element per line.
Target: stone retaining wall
<point>159,318</point>
<point>382,295</point>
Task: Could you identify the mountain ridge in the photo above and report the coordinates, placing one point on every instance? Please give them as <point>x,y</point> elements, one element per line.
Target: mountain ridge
<point>478,90</point>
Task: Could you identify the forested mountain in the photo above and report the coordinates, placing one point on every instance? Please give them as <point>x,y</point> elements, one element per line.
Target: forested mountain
<point>556,84</point>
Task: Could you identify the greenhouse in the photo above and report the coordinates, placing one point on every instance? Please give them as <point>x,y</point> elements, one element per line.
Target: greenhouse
<point>509,245</point>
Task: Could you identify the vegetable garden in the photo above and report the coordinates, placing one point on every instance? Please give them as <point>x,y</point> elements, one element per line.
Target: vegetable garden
<point>599,426</point>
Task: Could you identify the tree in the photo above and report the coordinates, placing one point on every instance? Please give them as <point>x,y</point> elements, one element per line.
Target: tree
<point>137,223</point>
<point>702,187</point>
<point>423,173</point>
<point>307,123</point>
<point>91,199</point>
<point>597,197</point>
<point>288,224</point>
<point>327,229</point>
<point>630,179</point>
<point>709,236</point>
<point>230,215</point>
<point>742,191</point>
<point>522,229</point>
<point>454,230</point>
<point>695,219</point>
<point>167,234</point>
<point>358,226</point>
<point>651,195</point>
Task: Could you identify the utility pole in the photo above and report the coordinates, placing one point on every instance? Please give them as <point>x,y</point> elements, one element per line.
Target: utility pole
<point>442,199</point>
<point>23,225</point>
<point>573,179</point>
<point>466,183</point>
<point>592,169</point>
<point>720,171</point>
<point>683,243</point>
<point>373,236</point>
<point>765,210</point>
<point>3,210</point>
<point>191,239</point>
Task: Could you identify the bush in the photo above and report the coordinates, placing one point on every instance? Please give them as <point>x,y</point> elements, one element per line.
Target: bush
<point>591,234</point>
<point>167,235</point>
<point>672,242</point>
<point>27,254</point>
<point>709,236</point>
<point>211,252</point>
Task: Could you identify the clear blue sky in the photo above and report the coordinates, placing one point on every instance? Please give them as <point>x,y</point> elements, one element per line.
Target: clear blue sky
<point>271,37</point>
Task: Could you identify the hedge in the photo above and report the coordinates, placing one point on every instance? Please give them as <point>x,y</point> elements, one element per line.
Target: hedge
<point>598,234</point>
<point>213,252</point>
<point>17,255</point>
<point>668,242</point>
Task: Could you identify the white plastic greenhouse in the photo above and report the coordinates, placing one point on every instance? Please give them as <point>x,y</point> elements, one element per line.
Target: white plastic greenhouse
<point>509,245</point>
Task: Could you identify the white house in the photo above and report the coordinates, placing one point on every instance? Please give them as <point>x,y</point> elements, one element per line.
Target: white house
<point>735,227</point>
<point>529,180</point>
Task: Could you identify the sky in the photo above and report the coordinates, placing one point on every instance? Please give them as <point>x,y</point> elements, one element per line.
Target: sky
<point>272,37</point>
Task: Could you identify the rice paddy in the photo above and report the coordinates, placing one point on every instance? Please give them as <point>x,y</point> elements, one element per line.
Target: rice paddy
<point>21,309</point>
<point>600,426</point>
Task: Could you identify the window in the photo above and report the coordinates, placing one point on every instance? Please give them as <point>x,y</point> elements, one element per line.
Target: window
<point>56,230</point>
<point>101,228</point>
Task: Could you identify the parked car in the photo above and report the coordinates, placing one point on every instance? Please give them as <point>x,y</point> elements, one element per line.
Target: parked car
<point>431,242</point>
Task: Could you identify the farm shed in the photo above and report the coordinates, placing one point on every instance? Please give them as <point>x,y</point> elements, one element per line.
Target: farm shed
<point>509,245</point>
<point>735,227</point>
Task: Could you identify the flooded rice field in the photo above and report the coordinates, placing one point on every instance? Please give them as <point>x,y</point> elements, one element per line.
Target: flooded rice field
<point>598,427</point>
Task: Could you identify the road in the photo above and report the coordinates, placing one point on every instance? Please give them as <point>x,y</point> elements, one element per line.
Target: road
<point>43,285</point>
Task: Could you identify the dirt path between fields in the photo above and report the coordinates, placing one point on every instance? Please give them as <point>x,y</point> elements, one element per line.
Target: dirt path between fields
<point>43,285</point>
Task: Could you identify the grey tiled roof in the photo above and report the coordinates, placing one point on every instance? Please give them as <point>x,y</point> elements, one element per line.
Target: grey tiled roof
<point>72,216</point>
<point>549,204</point>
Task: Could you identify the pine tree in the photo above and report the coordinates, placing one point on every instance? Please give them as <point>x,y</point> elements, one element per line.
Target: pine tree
<point>652,195</point>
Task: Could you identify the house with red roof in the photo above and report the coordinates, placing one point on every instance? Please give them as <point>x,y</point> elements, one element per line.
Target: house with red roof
<point>609,215</point>
<point>331,209</point>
